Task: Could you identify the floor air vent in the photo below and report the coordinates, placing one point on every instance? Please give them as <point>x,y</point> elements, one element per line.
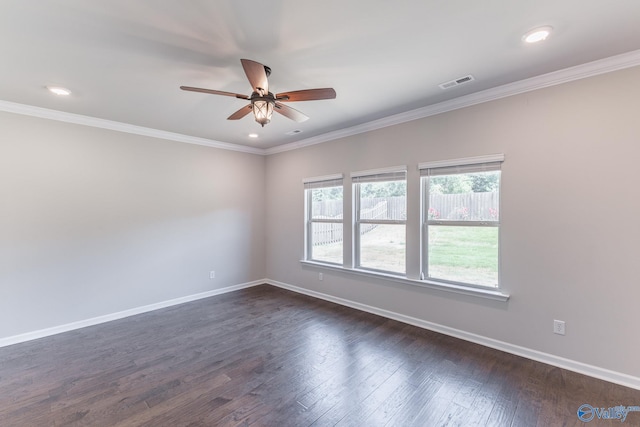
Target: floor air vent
<point>457,82</point>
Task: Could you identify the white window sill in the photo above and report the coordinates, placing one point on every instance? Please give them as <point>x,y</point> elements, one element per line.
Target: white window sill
<point>493,294</point>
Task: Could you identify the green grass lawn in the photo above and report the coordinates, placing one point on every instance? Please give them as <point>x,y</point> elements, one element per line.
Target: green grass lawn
<point>329,252</point>
<point>464,254</point>
<point>384,248</point>
<point>460,254</point>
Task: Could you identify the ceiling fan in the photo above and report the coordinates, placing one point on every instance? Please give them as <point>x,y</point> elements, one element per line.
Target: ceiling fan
<point>264,103</point>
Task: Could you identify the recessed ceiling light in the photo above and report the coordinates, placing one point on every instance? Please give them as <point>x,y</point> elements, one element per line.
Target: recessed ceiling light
<point>537,35</point>
<point>253,135</point>
<point>59,90</point>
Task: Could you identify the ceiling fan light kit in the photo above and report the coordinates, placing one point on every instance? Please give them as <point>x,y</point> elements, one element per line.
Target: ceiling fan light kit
<point>264,103</point>
<point>262,107</point>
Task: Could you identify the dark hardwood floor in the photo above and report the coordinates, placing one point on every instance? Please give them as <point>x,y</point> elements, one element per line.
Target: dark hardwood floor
<point>269,357</point>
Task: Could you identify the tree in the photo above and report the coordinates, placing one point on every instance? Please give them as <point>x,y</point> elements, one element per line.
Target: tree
<point>480,182</point>
<point>485,182</point>
<point>450,184</point>
<point>328,193</point>
<point>383,189</point>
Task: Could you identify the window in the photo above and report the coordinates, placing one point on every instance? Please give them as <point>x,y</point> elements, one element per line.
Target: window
<point>453,229</point>
<point>380,210</point>
<point>461,220</point>
<point>323,213</point>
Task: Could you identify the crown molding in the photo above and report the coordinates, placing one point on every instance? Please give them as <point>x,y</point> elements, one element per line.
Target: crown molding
<point>590,69</point>
<point>578,72</point>
<point>61,116</point>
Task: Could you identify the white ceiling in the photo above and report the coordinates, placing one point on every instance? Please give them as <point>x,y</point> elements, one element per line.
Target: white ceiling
<point>125,60</point>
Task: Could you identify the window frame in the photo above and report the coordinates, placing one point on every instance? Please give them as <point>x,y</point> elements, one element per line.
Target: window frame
<point>447,168</point>
<point>328,181</point>
<point>369,176</point>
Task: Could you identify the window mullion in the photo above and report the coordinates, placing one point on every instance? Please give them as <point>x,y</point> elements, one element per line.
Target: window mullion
<point>356,225</point>
<point>308,225</point>
<point>424,270</point>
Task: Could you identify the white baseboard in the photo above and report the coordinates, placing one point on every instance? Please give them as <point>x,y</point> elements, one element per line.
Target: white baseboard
<point>121,314</point>
<point>550,359</point>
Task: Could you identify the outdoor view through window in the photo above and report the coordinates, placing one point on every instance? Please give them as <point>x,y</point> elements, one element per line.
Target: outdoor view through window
<point>462,218</point>
<point>380,224</point>
<point>324,233</point>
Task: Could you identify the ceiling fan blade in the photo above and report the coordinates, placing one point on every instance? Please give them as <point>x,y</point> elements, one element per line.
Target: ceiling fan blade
<point>307,95</point>
<point>240,113</point>
<point>257,76</point>
<point>213,92</point>
<point>289,112</point>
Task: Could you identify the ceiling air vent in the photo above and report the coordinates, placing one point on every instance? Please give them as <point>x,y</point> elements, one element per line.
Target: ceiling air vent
<point>457,82</point>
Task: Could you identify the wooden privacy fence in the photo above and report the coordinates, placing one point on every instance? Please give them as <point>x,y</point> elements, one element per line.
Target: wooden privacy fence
<point>465,206</point>
<point>372,208</point>
<point>378,211</point>
<point>327,232</point>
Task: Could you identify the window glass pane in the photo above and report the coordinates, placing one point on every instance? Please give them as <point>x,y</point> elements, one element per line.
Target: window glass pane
<point>326,242</point>
<point>326,203</point>
<point>464,197</point>
<point>464,254</point>
<point>383,200</point>
<point>382,247</point>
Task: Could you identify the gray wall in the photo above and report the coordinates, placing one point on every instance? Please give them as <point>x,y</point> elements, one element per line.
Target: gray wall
<point>570,207</point>
<point>93,222</point>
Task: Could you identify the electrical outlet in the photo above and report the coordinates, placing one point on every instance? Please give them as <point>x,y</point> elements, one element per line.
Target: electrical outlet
<point>212,275</point>
<point>558,327</point>
<point>320,276</point>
